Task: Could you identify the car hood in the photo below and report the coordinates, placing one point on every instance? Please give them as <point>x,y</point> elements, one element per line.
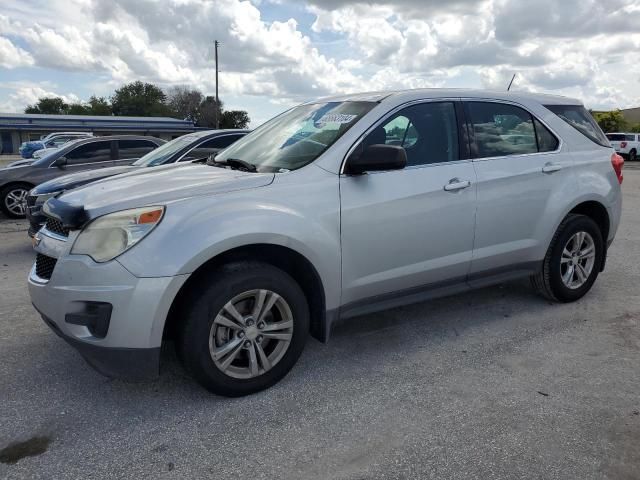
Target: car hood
<point>149,186</point>
<point>75,180</point>
<point>21,163</point>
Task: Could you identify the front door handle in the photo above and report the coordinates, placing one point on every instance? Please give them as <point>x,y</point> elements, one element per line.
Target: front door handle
<point>551,167</point>
<point>456,184</point>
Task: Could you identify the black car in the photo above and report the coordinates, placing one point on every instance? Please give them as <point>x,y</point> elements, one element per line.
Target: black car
<point>188,148</point>
<point>85,154</point>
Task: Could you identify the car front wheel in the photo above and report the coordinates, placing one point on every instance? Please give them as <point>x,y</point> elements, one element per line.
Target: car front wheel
<point>244,329</point>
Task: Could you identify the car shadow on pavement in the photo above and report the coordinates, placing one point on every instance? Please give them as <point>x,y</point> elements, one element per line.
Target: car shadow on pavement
<point>361,342</point>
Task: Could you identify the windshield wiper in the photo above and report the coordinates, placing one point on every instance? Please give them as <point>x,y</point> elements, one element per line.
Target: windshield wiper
<point>234,163</point>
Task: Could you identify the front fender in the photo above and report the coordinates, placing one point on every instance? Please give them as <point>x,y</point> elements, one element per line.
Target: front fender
<point>300,212</point>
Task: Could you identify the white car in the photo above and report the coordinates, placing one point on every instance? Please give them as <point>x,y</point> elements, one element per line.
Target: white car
<point>626,144</point>
<point>66,134</point>
<point>56,143</point>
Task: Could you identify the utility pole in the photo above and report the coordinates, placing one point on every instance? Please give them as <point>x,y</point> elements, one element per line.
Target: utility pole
<point>216,43</point>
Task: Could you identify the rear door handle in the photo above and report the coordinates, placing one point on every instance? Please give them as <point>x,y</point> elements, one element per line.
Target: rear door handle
<point>456,184</point>
<point>551,167</point>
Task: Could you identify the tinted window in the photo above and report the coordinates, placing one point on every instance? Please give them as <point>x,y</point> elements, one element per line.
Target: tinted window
<point>630,138</point>
<point>502,129</point>
<point>428,132</point>
<point>547,142</point>
<point>222,141</point>
<point>579,118</point>
<point>211,147</point>
<point>134,148</point>
<point>90,152</point>
<point>616,137</point>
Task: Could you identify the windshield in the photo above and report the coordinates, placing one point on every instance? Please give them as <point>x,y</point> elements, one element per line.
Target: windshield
<point>297,137</point>
<point>165,152</point>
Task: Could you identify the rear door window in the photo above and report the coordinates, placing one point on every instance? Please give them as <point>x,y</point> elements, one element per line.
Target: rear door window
<point>90,153</point>
<point>547,141</point>
<point>579,118</point>
<point>501,129</point>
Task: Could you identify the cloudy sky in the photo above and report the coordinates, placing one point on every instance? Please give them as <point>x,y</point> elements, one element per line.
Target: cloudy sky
<point>275,53</point>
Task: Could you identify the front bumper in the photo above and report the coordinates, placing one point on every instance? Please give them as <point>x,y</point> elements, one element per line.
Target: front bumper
<point>134,364</point>
<point>129,347</point>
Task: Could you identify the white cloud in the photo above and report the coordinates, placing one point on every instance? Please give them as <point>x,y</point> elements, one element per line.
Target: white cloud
<point>25,93</point>
<point>576,47</point>
<point>12,56</point>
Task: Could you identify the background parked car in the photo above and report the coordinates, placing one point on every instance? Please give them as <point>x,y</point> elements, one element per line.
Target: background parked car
<point>53,140</point>
<point>626,144</point>
<point>194,146</point>
<point>85,154</point>
<point>57,143</point>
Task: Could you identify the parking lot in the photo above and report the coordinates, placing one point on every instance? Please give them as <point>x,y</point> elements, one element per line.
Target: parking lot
<point>498,383</point>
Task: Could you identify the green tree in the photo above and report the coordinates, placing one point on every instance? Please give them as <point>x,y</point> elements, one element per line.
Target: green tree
<point>78,109</point>
<point>234,119</point>
<point>140,99</point>
<point>185,102</point>
<point>50,105</point>
<point>99,106</point>
<point>611,121</point>
<point>207,113</point>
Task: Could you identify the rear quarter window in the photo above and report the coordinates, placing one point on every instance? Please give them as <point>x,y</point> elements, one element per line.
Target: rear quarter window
<point>579,118</point>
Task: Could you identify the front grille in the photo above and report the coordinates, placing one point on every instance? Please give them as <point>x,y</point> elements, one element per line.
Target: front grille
<point>45,266</point>
<point>31,200</point>
<point>56,226</point>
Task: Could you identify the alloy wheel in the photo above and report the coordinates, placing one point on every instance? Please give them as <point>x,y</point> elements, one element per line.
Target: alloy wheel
<point>578,259</point>
<point>16,201</point>
<point>251,334</point>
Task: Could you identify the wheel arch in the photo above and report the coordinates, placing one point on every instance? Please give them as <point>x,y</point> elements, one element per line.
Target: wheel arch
<point>287,259</point>
<point>597,212</point>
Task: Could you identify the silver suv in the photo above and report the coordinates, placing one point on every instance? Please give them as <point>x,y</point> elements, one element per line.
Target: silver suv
<point>335,208</point>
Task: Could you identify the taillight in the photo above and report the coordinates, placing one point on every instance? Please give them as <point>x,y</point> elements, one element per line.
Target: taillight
<point>617,162</point>
<point>623,144</point>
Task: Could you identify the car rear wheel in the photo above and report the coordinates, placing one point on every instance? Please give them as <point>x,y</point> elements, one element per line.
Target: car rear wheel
<point>633,156</point>
<point>573,260</point>
<point>13,200</point>
<point>244,328</point>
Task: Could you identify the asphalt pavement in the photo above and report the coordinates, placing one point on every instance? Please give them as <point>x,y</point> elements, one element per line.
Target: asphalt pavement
<point>494,384</point>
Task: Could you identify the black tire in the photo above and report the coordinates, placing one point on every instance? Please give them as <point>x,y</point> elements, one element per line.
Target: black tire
<point>209,297</point>
<point>4,193</point>
<point>548,281</point>
<point>633,155</point>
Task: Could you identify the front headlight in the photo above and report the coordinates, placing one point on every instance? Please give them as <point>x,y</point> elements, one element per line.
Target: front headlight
<point>41,198</point>
<point>111,235</point>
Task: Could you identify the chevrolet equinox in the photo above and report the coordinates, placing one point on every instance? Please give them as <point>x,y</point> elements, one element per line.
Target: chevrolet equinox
<point>335,208</point>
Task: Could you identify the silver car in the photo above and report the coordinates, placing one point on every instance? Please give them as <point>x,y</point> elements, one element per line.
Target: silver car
<point>335,208</point>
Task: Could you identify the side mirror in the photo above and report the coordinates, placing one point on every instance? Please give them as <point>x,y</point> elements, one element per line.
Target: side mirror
<point>376,158</point>
<point>60,162</point>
